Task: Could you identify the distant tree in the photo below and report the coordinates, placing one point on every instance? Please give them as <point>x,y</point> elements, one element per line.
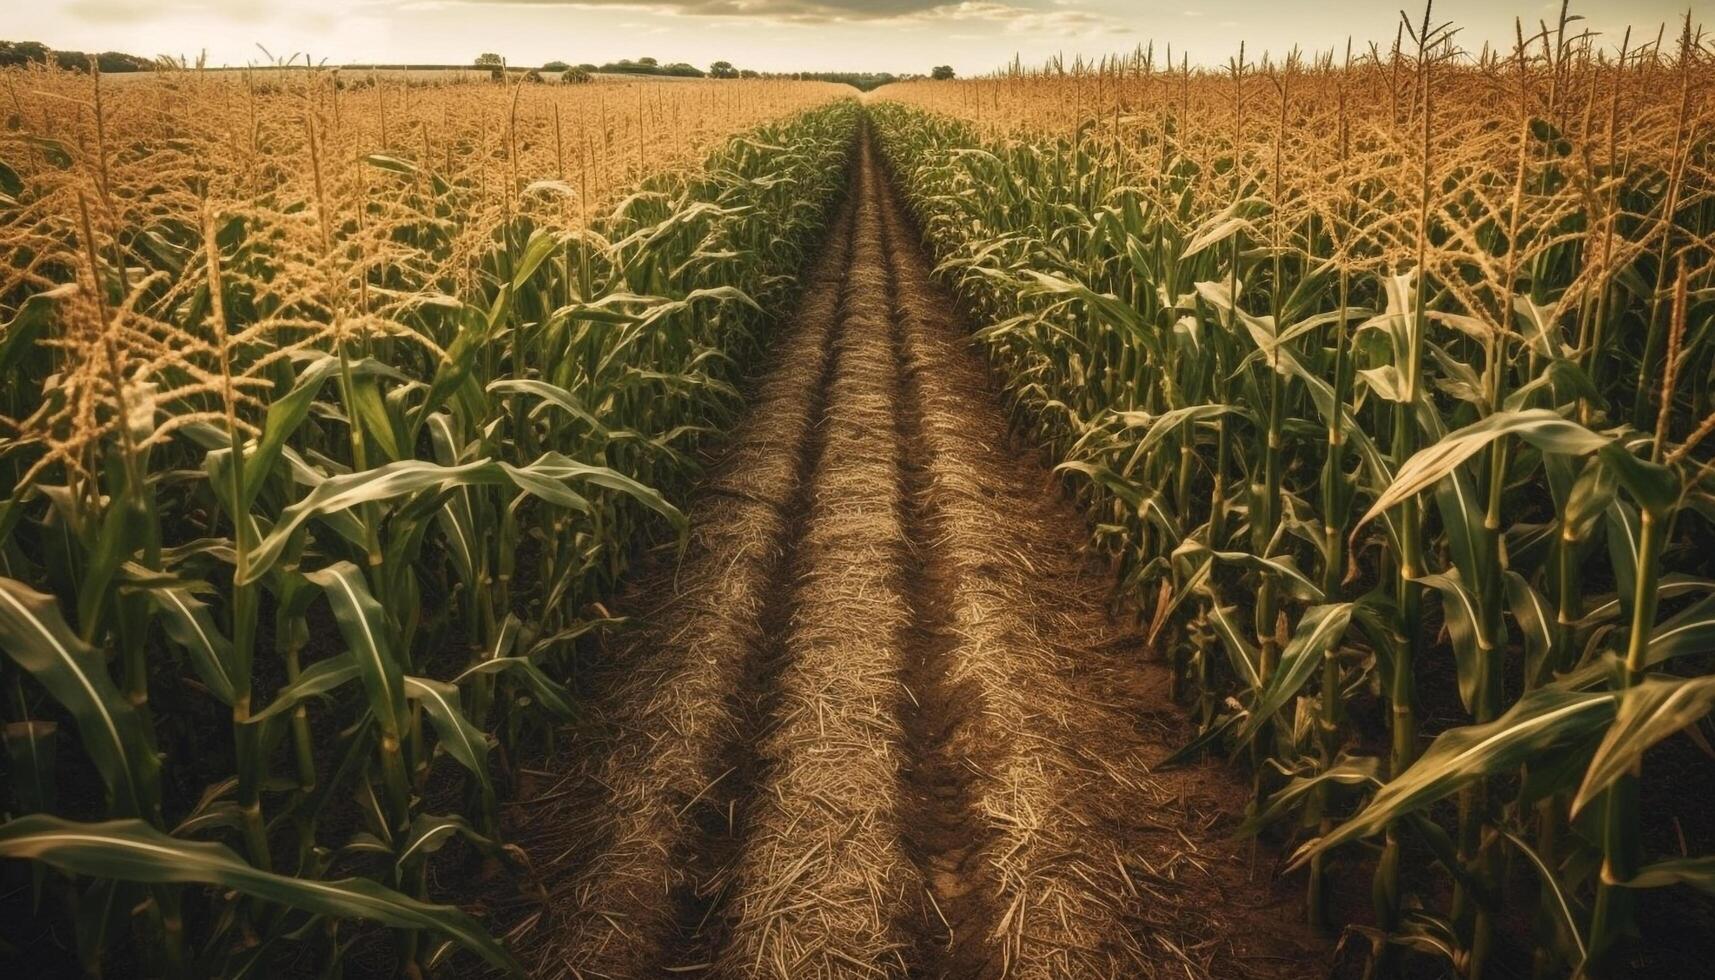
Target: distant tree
<point>648,62</point>
<point>942,73</point>
<point>488,59</point>
<point>533,75</point>
<point>23,52</point>
<point>864,81</point>
<point>576,76</point>
<point>748,73</point>
<point>586,66</point>
<point>117,61</point>
<point>722,69</point>
<point>35,52</point>
<point>555,66</point>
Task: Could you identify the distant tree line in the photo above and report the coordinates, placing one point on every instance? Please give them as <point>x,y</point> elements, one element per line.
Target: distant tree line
<point>19,53</point>
<point>862,80</point>
<point>650,66</point>
<point>569,72</point>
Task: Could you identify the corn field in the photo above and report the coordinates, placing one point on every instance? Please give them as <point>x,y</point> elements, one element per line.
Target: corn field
<point>330,413</point>
<point>1117,519</point>
<point>1367,366</point>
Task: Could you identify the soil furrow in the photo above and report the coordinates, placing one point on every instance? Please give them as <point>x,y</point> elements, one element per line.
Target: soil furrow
<point>822,871</point>
<point>950,750</point>
<point>1053,895</point>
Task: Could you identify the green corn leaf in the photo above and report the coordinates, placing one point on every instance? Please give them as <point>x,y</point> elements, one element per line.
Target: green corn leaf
<point>453,374</point>
<point>317,679</point>
<point>533,480</point>
<point>429,834</point>
<point>1560,904</point>
<point>1549,719</point>
<point>1359,771</point>
<point>1697,872</point>
<point>554,466</point>
<point>1464,619</point>
<point>130,850</point>
<point>285,415</point>
<point>1653,486</point>
<point>1544,429</point>
<point>1691,631</point>
<point>1536,620</point>
<point>462,740</point>
<point>1283,568</point>
<point>1624,537</point>
<point>1217,229</point>
<point>1462,516</point>
<point>1240,652</point>
<point>35,635</point>
<point>20,335</point>
<point>457,517</point>
<point>1649,711</point>
<point>1118,485</point>
<point>540,245</point>
<point>340,493</point>
<point>1319,632</point>
<point>364,627</point>
<point>549,694</point>
<point>550,395</point>
<point>190,624</point>
<point>1591,493</point>
<point>1158,427</point>
<point>370,411</point>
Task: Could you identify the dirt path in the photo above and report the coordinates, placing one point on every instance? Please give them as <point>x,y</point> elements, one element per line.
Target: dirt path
<point>876,723</point>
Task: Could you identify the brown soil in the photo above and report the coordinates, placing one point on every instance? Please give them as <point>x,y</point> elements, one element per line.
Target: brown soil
<point>876,721</point>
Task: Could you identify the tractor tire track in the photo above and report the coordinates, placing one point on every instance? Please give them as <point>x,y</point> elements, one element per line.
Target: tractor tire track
<point>823,869</point>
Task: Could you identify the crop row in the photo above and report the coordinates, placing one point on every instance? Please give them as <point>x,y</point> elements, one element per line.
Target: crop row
<point>324,440</point>
<point>1372,373</point>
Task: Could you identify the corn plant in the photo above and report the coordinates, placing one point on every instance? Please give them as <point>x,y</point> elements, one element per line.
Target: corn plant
<point>333,448</point>
<point>1362,363</point>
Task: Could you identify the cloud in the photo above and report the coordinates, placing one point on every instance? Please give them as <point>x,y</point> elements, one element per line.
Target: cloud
<point>1010,17</point>
<point>801,11</point>
<point>241,11</point>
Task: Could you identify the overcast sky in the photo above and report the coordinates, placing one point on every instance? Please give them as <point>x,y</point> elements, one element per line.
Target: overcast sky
<point>778,35</point>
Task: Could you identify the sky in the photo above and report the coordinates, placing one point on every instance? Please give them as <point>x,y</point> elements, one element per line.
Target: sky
<point>974,36</point>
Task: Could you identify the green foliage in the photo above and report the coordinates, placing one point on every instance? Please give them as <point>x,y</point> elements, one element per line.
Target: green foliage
<point>18,53</point>
<point>399,549</point>
<point>649,66</point>
<point>1311,493</point>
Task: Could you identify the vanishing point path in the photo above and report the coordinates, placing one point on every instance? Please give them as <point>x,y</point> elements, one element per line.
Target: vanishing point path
<point>876,722</point>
